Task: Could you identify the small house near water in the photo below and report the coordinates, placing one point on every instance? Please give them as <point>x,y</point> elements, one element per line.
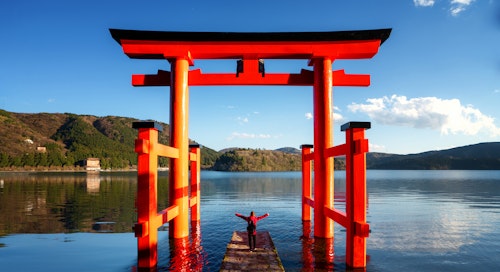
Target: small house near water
<point>92,164</point>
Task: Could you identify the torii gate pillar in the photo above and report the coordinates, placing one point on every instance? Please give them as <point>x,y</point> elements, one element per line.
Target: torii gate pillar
<point>178,174</point>
<point>323,139</point>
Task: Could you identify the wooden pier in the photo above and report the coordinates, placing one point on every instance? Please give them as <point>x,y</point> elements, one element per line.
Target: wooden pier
<point>239,257</point>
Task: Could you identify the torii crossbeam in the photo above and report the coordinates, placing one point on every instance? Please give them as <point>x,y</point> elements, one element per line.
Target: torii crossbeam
<point>182,49</point>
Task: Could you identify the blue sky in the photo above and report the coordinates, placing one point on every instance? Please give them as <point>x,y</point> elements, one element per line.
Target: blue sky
<point>435,83</point>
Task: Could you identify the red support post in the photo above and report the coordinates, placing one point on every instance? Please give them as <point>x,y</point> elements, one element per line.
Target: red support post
<point>178,174</point>
<point>356,196</point>
<point>323,139</point>
<point>195,183</point>
<point>306,182</point>
<point>146,202</point>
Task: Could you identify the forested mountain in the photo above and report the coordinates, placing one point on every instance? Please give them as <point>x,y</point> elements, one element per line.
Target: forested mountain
<point>64,141</point>
<point>244,159</point>
<point>59,141</point>
<point>483,156</point>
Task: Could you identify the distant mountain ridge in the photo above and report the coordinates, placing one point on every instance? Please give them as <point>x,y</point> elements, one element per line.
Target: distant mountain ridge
<point>482,156</point>
<point>290,150</point>
<point>69,138</point>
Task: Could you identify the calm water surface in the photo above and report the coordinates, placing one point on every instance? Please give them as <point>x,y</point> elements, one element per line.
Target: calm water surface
<point>419,220</point>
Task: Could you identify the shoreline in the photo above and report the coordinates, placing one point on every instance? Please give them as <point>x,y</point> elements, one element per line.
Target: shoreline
<point>66,171</point>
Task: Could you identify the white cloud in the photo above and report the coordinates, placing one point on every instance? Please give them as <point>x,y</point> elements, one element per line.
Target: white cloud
<point>242,119</point>
<point>336,116</point>
<point>496,91</point>
<point>456,6</point>
<point>51,100</point>
<point>456,10</point>
<point>375,147</point>
<point>462,2</point>
<point>446,115</point>
<point>238,135</point>
<point>423,3</point>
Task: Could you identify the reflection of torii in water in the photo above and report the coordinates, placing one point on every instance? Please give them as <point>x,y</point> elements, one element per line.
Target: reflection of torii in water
<point>252,227</point>
<point>181,49</point>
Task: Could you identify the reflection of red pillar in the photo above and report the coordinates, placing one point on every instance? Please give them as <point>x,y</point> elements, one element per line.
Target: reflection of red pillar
<point>146,204</point>
<point>198,261</point>
<point>324,254</point>
<point>306,183</point>
<point>356,196</point>
<point>323,139</point>
<point>178,175</point>
<point>180,253</point>
<point>186,254</point>
<point>307,247</point>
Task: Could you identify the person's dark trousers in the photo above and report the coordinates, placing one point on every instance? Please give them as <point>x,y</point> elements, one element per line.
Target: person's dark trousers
<point>252,241</point>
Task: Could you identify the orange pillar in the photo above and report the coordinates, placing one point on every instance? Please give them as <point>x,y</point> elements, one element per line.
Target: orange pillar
<point>195,183</point>
<point>306,182</point>
<point>146,202</point>
<point>323,139</point>
<point>356,196</point>
<point>178,175</point>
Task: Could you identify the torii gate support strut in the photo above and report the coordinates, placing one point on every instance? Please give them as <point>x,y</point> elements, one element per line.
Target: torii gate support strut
<point>181,49</point>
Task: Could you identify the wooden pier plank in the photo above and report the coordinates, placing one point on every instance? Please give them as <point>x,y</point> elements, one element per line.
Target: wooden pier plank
<point>238,256</point>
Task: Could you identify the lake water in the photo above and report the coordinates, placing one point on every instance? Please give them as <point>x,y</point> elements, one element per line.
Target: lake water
<point>419,220</point>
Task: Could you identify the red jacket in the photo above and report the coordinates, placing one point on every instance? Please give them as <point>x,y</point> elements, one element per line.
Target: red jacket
<point>253,219</point>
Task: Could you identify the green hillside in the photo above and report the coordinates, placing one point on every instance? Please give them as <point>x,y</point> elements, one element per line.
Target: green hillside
<point>256,160</point>
<point>63,141</point>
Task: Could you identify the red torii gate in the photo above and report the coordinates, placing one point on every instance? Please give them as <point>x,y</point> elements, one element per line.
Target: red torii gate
<point>181,49</point>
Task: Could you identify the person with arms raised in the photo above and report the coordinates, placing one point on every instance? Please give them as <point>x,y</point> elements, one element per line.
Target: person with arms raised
<point>252,227</point>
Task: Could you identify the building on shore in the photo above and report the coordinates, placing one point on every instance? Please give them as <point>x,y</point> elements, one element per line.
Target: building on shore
<point>92,164</point>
